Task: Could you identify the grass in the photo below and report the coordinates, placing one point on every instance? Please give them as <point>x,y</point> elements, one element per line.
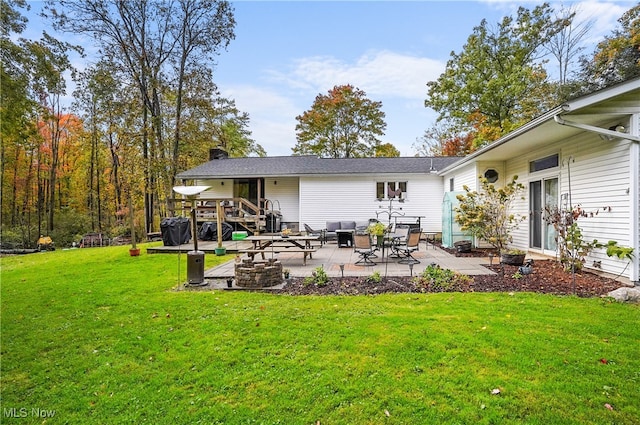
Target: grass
<point>96,336</point>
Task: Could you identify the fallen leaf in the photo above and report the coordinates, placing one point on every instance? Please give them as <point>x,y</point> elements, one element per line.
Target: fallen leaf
<point>608,406</point>
<point>386,412</point>
<point>495,391</point>
<point>604,361</point>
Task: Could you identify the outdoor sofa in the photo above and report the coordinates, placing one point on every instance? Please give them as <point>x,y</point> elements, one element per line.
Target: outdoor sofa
<point>331,227</point>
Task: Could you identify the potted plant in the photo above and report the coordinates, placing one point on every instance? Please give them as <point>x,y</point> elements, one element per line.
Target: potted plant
<point>513,257</point>
<point>378,230</point>
<point>463,246</point>
<point>286,273</point>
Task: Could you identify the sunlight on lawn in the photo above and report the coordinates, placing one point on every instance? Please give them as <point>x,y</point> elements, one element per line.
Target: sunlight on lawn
<point>97,336</point>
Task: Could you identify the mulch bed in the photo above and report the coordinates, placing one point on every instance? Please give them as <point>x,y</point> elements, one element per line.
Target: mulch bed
<point>548,277</point>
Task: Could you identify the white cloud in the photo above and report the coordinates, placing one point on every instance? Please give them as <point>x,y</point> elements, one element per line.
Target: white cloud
<point>397,79</point>
<point>378,73</point>
<point>272,116</point>
<point>384,75</point>
<point>604,16</point>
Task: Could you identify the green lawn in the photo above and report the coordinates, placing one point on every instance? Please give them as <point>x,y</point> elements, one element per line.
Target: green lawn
<point>96,336</point>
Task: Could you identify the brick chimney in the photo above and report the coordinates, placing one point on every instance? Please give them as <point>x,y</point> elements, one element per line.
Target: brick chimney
<point>217,153</point>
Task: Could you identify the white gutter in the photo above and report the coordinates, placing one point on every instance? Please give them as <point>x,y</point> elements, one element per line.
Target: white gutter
<point>504,139</point>
<point>594,129</point>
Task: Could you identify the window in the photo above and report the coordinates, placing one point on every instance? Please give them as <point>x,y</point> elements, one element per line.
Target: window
<point>451,185</point>
<point>491,175</point>
<point>543,163</point>
<point>391,190</point>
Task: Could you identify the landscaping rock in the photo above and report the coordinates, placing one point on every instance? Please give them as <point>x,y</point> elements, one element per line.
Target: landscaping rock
<point>631,295</point>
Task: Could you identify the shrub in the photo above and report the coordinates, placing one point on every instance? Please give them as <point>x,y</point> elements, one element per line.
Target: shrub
<point>436,279</point>
<point>318,277</point>
<point>70,225</point>
<point>20,236</point>
<point>572,247</point>
<point>486,214</point>
<point>374,278</point>
<point>621,252</point>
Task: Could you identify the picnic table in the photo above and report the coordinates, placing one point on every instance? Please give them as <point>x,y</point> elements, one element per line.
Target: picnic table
<point>277,243</point>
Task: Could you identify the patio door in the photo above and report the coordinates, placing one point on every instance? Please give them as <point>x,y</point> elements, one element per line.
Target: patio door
<point>543,194</point>
<point>250,189</point>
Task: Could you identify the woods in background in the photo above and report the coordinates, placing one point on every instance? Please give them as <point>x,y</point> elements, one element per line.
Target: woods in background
<point>149,107</point>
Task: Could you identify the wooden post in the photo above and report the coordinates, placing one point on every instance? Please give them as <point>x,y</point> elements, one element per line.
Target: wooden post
<point>218,222</point>
<point>132,223</point>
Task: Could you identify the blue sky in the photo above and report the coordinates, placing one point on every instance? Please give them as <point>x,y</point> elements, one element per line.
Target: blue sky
<point>287,52</point>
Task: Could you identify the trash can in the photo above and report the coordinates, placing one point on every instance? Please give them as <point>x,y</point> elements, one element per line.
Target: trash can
<point>175,231</point>
<point>195,267</point>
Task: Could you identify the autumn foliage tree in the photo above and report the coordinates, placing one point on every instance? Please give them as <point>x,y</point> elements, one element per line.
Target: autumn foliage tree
<point>441,140</point>
<point>157,47</point>
<point>387,150</point>
<point>617,57</point>
<point>493,84</point>
<point>341,124</point>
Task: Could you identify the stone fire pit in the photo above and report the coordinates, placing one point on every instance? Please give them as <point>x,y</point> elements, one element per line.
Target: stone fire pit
<point>258,274</point>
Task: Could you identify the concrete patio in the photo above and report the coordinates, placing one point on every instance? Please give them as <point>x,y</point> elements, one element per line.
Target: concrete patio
<point>330,257</point>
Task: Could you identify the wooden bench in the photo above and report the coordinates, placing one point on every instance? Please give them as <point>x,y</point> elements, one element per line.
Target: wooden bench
<point>278,249</point>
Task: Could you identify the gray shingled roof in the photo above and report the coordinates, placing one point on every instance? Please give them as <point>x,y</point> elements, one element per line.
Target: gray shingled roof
<point>280,166</point>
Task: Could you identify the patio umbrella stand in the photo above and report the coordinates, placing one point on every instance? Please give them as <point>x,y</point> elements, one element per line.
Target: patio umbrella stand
<point>195,258</point>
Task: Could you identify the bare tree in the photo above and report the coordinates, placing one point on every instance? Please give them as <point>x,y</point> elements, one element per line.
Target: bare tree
<point>145,37</point>
<point>565,46</point>
<point>202,29</point>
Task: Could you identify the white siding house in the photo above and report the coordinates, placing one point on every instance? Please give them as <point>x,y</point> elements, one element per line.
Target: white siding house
<point>582,154</point>
<point>311,190</point>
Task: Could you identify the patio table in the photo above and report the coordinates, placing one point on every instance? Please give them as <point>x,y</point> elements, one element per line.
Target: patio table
<point>277,243</point>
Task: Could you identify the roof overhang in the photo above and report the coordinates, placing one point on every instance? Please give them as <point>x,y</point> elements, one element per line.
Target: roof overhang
<point>596,113</point>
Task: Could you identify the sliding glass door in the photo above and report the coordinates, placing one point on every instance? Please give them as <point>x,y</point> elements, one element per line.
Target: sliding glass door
<point>543,194</point>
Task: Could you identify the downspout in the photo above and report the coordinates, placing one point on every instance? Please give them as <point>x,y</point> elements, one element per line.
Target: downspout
<point>599,130</point>
<point>634,206</point>
<point>634,181</point>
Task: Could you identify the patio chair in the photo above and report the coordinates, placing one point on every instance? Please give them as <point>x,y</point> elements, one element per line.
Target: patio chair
<point>413,243</point>
<point>320,233</point>
<point>398,240</point>
<point>362,245</point>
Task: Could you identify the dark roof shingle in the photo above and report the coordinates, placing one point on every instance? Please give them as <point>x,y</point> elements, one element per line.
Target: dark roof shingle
<point>280,166</point>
